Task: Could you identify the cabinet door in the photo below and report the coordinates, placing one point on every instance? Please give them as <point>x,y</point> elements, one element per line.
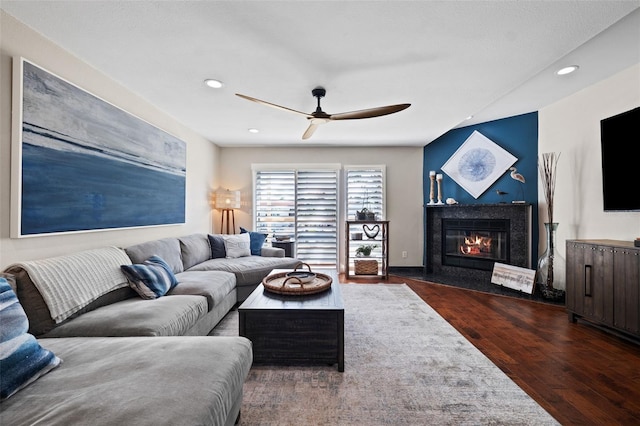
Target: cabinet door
<point>574,266</point>
<point>602,284</point>
<point>580,279</point>
<point>586,287</point>
<point>626,284</point>
<point>574,261</point>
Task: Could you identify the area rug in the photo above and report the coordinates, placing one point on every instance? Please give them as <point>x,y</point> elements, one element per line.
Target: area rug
<point>404,365</point>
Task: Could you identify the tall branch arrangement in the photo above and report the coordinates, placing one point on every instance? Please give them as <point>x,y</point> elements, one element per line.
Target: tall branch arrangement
<point>547,169</point>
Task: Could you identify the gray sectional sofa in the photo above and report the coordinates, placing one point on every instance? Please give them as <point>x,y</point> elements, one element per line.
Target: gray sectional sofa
<point>127,360</point>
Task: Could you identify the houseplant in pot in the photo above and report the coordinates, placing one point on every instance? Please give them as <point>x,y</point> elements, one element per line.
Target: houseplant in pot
<point>368,266</point>
<point>365,250</point>
<point>365,213</point>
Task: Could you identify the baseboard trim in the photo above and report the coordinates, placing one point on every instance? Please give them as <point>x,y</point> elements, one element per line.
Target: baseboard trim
<point>404,270</point>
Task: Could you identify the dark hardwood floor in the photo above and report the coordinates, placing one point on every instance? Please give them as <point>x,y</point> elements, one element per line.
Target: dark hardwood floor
<point>577,372</point>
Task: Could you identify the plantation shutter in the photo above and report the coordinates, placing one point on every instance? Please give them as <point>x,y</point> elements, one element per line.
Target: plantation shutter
<point>301,204</point>
<point>317,217</point>
<point>365,188</point>
<point>275,202</point>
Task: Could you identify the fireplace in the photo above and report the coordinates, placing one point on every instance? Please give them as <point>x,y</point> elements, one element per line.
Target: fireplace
<point>465,241</point>
<point>475,243</point>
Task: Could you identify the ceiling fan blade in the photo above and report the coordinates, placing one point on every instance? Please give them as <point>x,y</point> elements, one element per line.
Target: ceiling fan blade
<point>313,125</point>
<point>312,128</point>
<point>249,98</point>
<point>369,113</point>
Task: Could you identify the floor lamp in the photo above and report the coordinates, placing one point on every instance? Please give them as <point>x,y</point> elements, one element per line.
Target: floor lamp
<point>228,201</point>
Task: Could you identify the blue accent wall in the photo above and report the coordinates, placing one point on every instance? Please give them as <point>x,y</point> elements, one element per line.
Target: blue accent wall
<point>519,136</point>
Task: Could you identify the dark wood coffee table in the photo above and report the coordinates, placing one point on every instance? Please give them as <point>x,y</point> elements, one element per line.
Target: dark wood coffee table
<point>293,329</point>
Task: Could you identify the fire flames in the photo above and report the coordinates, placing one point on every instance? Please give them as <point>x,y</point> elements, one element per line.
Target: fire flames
<point>475,245</point>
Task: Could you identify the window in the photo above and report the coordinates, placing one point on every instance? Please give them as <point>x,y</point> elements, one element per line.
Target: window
<point>365,188</point>
<point>302,204</point>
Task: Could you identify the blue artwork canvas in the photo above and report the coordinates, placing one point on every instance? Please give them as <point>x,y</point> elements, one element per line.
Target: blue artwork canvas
<point>478,163</point>
<point>87,165</point>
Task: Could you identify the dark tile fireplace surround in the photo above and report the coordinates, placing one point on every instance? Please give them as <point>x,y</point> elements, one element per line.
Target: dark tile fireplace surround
<point>498,233</point>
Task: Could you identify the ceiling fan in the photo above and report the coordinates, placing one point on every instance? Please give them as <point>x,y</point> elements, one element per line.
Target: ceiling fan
<point>319,117</point>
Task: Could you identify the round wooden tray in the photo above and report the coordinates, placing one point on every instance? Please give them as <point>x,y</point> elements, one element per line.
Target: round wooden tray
<point>281,284</point>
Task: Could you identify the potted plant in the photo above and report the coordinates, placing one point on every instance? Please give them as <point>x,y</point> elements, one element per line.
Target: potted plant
<point>365,250</point>
<point>364,213</point>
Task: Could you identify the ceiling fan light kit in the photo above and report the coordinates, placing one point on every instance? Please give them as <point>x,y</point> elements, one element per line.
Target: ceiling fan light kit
<point>320,117</point>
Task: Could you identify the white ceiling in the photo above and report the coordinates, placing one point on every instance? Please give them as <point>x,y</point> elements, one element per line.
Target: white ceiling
<point>449,59</point>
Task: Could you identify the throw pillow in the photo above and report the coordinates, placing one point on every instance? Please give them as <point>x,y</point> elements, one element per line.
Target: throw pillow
<point>217,247</point>
<point>151,279</point>
<point>22,359</point>
<point>257,241</point>
<point>237,245</point>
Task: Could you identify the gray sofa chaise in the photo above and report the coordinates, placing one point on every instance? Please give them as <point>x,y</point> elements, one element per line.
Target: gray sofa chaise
<point>127,360</point>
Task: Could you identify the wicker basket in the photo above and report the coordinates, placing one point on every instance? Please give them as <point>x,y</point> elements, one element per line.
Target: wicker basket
<point>366,267</point>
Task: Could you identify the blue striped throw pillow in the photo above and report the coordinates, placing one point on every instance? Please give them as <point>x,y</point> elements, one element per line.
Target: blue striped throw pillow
<point>22,359</point>
<point>151,279</point>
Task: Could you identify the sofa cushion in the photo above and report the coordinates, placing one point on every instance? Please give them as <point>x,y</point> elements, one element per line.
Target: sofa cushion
<point>22,359</point>
<point>40,321</point>
<point>167,248</point>
<point>237,245</point>
<point>151,279</point>
<point>69,283</point>
<point>165,316</point>
<point>248,270</point>
<point>136,381</point>
<point>195,249</point>
<point>217,246</point>
<point>213,285</point>
<point>256,241</point>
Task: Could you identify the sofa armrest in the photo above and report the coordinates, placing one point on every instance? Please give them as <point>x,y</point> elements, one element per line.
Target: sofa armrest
<point>272,252</point>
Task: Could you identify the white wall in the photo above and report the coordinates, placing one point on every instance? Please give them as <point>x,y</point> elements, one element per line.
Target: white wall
<point>572,127</point>
<point>404,186</point>
<point>18,40</point>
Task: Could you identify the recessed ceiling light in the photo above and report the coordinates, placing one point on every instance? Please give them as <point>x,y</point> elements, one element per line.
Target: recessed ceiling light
<point>469,117</point>
<point>252,130</point>
<point>567,70</point>
<point>216,84</point>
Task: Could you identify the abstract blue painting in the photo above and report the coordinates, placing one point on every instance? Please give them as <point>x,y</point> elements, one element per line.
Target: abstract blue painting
<point>85,165</point>
<point>478,163</point>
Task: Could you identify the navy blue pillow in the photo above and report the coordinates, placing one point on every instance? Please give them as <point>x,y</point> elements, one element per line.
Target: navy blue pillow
<point>257,241</point>
<point>218,250</point>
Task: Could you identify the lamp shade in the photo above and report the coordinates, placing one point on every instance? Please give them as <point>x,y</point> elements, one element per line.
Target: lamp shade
<point>226,199</point>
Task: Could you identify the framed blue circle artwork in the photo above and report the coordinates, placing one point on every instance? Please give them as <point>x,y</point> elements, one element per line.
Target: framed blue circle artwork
<point>478,163</point>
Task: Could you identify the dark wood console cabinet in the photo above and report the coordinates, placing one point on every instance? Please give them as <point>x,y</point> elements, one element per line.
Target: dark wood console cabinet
<point>603,284</point>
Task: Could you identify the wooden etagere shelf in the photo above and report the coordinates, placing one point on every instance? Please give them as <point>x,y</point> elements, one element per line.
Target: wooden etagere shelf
<point>367,232</point>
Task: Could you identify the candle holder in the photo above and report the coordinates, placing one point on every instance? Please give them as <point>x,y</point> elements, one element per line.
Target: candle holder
<point>432,178</point>
<point>439,179</point>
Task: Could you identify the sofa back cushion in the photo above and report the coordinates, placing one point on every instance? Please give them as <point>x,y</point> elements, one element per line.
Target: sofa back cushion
<point>195,249</point>
<point>167,248</point>
<point>40,321</point>
<point>67,284</point>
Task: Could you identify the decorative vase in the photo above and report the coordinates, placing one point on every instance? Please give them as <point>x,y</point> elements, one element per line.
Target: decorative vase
<point>552,267</point>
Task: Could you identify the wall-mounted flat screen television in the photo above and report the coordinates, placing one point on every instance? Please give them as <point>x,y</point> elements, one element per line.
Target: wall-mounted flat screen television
<point>620,141</point>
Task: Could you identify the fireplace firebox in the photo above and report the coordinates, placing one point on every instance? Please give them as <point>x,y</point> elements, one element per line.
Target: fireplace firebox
<point>465,241</point>
<point>475,243</point>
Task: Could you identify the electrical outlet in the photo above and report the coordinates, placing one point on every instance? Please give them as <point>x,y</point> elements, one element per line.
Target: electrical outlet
<point>404,254</point>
